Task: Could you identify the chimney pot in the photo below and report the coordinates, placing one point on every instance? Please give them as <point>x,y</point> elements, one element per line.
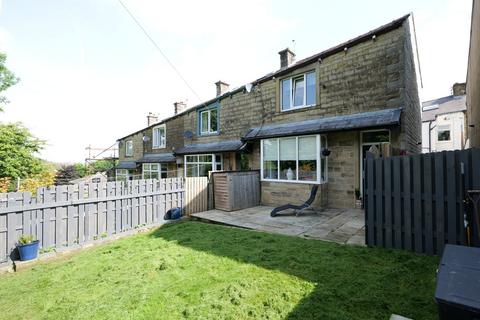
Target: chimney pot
<point>222,87</point>
<point>287,57</point>
<point>459,89</point>
<point>152,118</point>
<point>179,106</point>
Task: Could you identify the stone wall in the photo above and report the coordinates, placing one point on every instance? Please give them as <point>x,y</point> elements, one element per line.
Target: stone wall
<point>473,79</point>
<point>137,139</point>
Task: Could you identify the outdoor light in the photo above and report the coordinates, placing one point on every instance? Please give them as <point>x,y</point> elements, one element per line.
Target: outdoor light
<point>326,152</point>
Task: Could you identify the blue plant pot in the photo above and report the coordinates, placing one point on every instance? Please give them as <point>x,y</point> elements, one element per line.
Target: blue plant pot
<point>28,251</point>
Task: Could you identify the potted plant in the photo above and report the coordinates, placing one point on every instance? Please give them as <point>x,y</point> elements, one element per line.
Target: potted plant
<point>27,247</point>
<point>358,200</point>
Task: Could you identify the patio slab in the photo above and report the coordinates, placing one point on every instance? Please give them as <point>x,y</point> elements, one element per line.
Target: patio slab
<point>344,226</point>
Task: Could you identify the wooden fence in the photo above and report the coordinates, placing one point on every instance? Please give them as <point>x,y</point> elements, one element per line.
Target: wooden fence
<point>417,203</point>
<point>65,216</point>
<point>236,190</point>
<point>196,195</point>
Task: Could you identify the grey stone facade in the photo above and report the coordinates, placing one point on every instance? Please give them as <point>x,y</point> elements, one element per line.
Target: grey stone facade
<point>366,74</point>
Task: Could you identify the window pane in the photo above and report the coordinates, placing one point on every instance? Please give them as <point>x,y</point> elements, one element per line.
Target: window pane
<point>213,120</point>
<point>376,136</point>
<point>205,158</point>
<point>203,169</point>
<point>299,84</point>
<point>286,94</point>
<point>191,158</point>
<point>323,160</point>
<point>270,149</point>
<point>307,158</point>
<point>288,159</point>
<point>192,170</point>
<point>270,169</point>
<point>311,88</point>
<point>204,121</point>
<point>444,135</point>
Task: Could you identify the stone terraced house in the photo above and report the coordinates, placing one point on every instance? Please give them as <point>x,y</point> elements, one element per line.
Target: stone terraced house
<point>310,122</point>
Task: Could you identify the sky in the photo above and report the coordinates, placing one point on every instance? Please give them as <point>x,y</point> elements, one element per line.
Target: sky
<point>90,76</point>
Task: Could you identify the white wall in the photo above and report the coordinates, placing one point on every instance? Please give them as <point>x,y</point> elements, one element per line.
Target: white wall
<point>456,122</point>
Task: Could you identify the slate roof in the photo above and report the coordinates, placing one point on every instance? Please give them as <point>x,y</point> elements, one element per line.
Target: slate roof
<point>364,120</point>
<point>157,157</point>
<point>221,146</point>
<point>126,165</point>
<point>445,105</point>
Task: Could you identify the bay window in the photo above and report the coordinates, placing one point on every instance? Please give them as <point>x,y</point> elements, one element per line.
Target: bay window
<point>298,91</point>
<point>294,159</point>
<point>154,171</point>
<point>199,165</point>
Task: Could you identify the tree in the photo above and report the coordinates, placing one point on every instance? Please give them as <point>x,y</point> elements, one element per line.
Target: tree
<point>66,174</point>
<point>18,149</point>
<point>102,165</point>
<point>7,79</point>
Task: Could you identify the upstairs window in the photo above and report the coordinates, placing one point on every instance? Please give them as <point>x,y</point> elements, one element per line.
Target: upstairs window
<point>128,148</point>
<point>298,92</point>
<point>159,137</point>
<point>208,121</point>
<point>443,132</point>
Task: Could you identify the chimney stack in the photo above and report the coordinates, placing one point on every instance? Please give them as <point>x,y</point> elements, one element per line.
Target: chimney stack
<point>459,89</point>
<point>287,57</point>
<point>152,118</point>
<point>222,87</point>
<point>179,106</point>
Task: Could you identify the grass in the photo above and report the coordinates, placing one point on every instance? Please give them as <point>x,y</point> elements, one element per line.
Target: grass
<point>194,270</point>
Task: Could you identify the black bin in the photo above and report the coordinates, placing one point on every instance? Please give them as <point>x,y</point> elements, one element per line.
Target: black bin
<point>458,283</point>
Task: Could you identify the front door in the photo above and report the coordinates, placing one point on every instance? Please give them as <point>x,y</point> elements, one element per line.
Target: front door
<point>376,141</point>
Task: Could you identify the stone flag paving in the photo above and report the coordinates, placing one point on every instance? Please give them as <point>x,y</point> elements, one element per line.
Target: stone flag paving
<point>346,226</point>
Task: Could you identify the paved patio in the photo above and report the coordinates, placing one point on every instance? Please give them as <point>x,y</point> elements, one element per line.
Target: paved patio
<point>346,226</point>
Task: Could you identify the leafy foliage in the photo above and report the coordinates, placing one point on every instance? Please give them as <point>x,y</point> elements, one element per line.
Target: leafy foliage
<point>5,184</point>
<point>18,148</point>
<point>101,166</point>
<point>7,79</point>
<point>66,174</point>
<point>43,179</point>
<point>25,239</point>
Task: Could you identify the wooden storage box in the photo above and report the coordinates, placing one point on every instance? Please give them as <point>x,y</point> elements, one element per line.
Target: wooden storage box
<point>235,190</point>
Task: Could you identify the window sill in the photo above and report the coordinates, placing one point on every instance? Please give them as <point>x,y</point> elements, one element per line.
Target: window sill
<point>299,108</point>
<point>156,148</point>
<point>209,134</point>
<point>294,181</point>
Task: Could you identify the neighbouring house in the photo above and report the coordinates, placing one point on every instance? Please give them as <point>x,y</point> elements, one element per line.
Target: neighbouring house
<point>148,153</point>
<point>309,122</point>
<point>473,79</point>
<point>443,122</point>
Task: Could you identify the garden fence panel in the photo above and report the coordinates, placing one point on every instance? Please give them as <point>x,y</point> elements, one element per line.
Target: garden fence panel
<point>419,203</point>
<point>65,216</point>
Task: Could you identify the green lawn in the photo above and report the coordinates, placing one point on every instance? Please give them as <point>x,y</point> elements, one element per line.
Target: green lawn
<point>201,271</point>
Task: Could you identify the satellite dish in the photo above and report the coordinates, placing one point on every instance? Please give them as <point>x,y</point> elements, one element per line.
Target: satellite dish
<point>146,138</point>
<point>248,87</point>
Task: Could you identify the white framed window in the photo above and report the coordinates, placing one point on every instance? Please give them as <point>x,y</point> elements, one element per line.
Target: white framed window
<point>208,122</point>
<point>121,175</point>
<point>128,148</point>
<point>159,137</point>
<point>443,132</point>
<point>199,165</point>
<point>294,159</point>
<point>154,171</point>
<point>298,92</point>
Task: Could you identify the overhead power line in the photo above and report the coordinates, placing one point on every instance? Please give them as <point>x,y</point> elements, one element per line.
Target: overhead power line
<point>158,48</point>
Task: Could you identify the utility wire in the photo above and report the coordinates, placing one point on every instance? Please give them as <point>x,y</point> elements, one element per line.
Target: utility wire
<point>158,48</point>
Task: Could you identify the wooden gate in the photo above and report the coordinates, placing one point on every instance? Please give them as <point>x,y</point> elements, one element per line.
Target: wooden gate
<point>196,195</point>
<point>418,202</point>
